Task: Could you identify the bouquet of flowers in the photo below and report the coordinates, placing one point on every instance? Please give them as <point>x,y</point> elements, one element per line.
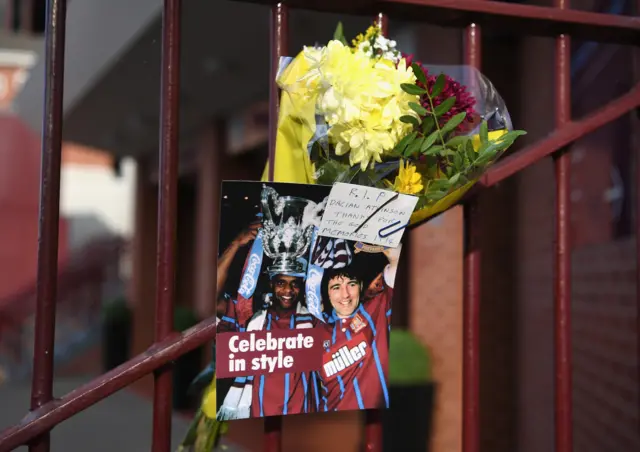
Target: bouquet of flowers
<point>364,113</point>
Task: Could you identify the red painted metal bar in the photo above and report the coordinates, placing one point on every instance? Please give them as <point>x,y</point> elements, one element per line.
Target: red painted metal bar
<point>279,47</point>
<point>563,391</point>
<point>167,216</point>
<point>563,136</point>
<point>635,126</point>
<point>517,18</point>
<point>471,306</point>
<point>49,216</point>
<point>8,16</point>
<point>56,411</point>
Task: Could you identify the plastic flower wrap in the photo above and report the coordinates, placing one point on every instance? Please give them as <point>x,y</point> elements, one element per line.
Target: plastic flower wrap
<point>364,113</point>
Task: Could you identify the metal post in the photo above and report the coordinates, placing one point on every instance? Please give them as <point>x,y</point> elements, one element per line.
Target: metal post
<point>279,48</point>
<point>167,216</point>
<point>635,144</point>
<point>471,306</point>
<point>563,391</point>
<point>49,216</point>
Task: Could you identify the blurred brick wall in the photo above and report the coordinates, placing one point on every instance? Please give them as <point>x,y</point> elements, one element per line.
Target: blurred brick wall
<point>605,350</point>
<point>604,333</point>
<point>19,198</point>
<point>435,318</point>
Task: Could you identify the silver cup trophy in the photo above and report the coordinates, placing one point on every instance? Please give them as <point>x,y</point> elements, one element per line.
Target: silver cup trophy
<point>285,234</point>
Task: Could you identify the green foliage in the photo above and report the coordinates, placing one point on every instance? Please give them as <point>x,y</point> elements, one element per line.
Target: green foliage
<point>409,360</point>
<point>338,35</point>
<point>446,159</point>
<point>183,318</point>
<point>117,310</point>
<point>456,161</point>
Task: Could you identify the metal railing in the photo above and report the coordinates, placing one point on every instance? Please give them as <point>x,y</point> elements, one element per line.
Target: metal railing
<point>557,21</point>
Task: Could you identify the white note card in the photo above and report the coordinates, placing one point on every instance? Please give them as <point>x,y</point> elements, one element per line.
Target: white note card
<point>349,206</point>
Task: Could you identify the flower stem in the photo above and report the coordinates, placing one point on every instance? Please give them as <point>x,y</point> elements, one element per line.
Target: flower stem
<point>435,118</point>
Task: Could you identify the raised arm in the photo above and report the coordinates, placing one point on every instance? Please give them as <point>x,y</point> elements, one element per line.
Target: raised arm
<point>389,272</point>
<point>224,261</point>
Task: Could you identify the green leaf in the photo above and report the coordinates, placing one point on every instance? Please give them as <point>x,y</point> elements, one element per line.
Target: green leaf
<point>486,154</point>
<point>440,184</point>
<point>445,106</point>
<point>511,135</point>
<point>338,35</point>
<point>436,196</point>
<point>482,147</point>
<point>503,145</point>
<point>435,149</point>
<point>408,119</point>
<point>470,149</point>
<point>428,142</point>
<point>419,73</point>
<point>454,122</point>
<point>402,144</point>
<point>410,88</point>
<point>483,159</point>
<point>454,179</point>
<point>330,172</point>
<point>413,147</point>
<point>458,141</point>
<point>418,108</point>
<point>438,85</point>
<point>457,160</point>
<point>427,125</point>
<point>471,153</point>
<point>484,132</point>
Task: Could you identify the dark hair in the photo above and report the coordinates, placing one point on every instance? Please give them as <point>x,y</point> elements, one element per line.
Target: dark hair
<point>348,272</point>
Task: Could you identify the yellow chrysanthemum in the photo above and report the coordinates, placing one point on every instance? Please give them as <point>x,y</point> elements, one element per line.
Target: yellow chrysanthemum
<point>361,100</point>
<point>408,180</point>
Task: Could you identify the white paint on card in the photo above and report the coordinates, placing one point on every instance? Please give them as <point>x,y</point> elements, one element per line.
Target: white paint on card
<point>349,206</point>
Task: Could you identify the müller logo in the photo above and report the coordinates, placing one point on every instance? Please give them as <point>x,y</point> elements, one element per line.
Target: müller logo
<point>345,356</point>
<point>248,280</point>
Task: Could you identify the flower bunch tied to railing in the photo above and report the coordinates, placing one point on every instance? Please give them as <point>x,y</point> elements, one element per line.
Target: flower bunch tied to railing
<point>365,113</point>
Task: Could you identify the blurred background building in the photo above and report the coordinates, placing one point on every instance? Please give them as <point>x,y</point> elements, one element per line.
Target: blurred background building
<point>109,208</point>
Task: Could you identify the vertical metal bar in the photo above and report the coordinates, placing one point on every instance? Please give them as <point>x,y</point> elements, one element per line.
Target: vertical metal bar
<point>635,144</point>
<point>49,214</point>
<point>383,22</point>
<point>26,16</point>
<point>279,31</point>
<point>563,390</point>
<point>471,303</point>
<point>279,48</point>
<point>8,16</point>
<point>373,434</point>
<point>167,215</point>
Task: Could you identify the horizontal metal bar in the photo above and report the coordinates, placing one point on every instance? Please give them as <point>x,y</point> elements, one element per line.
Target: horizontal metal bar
<point>502,16</point>
<point>52,413</point>
<point>519,18</point>
<point>562,137</point>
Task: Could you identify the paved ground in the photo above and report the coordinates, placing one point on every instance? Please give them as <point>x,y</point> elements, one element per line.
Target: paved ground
<point>120,423</point>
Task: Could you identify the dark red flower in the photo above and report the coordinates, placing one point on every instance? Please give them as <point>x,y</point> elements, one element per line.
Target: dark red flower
<point>464,100</point>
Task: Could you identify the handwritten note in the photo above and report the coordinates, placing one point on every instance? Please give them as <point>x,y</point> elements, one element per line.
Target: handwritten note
<point>349,206</point>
